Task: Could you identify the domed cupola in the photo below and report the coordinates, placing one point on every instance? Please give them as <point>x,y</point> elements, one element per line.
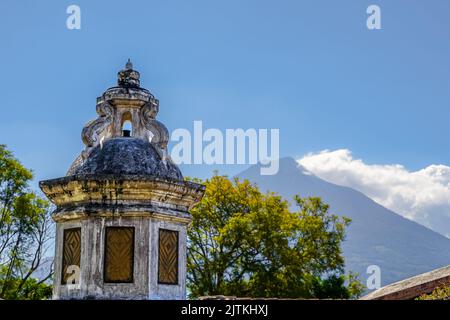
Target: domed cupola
<point>123,208</point>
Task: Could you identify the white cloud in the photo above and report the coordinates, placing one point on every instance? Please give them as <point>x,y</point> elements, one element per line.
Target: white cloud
<point>422,196</point>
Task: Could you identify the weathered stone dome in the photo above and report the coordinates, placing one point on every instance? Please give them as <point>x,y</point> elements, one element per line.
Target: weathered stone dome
<point>128,156</point>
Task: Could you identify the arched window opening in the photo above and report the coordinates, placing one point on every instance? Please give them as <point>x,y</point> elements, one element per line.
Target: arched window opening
<point>127,128</point>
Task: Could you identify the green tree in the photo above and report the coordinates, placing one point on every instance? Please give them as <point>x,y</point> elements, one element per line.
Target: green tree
<point>246,243</point>
<point>25,228</point>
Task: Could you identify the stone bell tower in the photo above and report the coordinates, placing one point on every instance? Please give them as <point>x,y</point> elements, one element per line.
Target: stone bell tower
<point>123,207</point>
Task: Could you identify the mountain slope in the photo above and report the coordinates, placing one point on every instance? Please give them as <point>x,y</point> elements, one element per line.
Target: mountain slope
<point>376,236</point>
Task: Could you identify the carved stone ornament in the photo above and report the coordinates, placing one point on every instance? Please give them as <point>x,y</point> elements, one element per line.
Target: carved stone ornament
<point>125,102</point>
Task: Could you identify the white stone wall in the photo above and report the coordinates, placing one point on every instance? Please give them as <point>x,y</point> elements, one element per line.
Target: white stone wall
<point>167,291</point>
<point>145,276</point>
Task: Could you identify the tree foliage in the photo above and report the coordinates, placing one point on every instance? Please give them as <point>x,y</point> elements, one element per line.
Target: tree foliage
<point>243,242</point>
<point>440,293</point>
<point>25,226</point>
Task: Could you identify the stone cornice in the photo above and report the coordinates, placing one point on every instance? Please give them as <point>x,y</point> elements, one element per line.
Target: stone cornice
<point>126,194</point>
<point>127,96</point>
<point>123,211</point>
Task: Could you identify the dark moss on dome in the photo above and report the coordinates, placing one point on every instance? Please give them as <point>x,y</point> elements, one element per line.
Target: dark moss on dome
<point>128,156</point>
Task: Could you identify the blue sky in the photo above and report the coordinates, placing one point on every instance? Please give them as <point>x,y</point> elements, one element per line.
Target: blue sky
<point>310,68</point>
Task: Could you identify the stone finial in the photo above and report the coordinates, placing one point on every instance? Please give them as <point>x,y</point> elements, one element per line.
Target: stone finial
<point>129,65</point>
<point>128,77</point>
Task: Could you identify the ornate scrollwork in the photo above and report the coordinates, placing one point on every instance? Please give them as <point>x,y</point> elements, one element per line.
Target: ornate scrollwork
<point>157,133</point>
<point>94,132</point>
